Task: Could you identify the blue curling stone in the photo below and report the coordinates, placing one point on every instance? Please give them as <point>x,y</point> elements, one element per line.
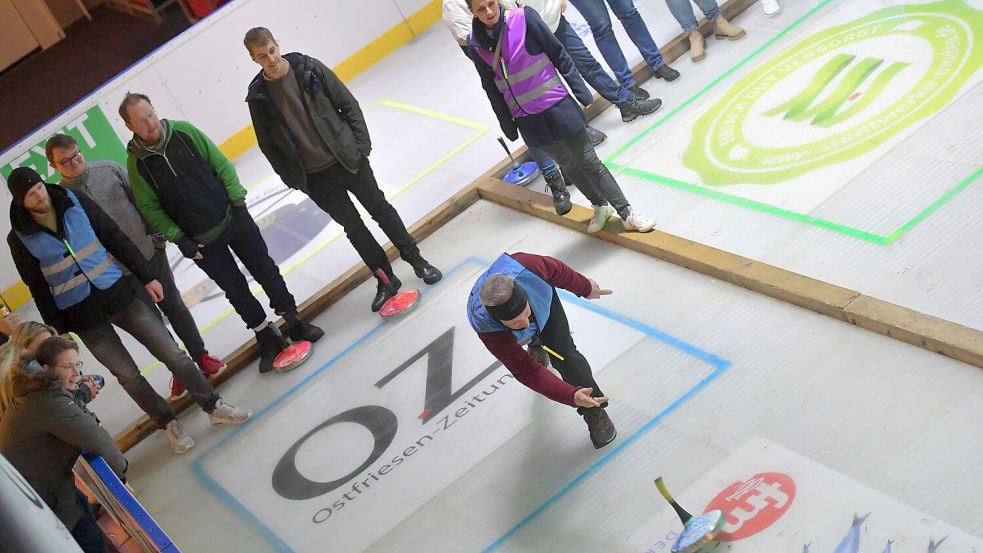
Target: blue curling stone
<point>522,175</point>
<point>698,531</point>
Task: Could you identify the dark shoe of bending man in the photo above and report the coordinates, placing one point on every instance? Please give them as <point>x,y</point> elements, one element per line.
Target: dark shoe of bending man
<point>311,129</point>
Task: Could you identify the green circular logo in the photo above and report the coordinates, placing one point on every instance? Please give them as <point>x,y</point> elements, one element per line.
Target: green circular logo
<point>837,94</point>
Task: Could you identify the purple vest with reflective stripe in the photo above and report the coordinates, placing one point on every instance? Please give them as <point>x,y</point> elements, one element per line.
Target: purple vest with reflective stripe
<point>529,84</point>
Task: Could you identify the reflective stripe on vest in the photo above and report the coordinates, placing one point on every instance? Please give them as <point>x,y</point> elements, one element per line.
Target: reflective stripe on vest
<point>538,292</point>
<point>529,84</point>
<point>72,265</point>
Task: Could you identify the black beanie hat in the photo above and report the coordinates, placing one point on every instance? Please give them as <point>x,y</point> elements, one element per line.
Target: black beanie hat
<point>20,181</point>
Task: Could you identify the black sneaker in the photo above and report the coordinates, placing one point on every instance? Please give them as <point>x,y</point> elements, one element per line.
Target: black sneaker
<point>271,343</point>
<point>539,354</point>
<point>299,330</point>
<point>383,292</point>
<point>634,108</point>
<point>561,197</point>
<point>666,73</point>
<point>602,430</point>
<point>423,269</point>
<point>639,92</point>
<point>595,136</point>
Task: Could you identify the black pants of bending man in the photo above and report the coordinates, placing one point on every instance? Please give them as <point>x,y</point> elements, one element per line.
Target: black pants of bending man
<point>573,368</point>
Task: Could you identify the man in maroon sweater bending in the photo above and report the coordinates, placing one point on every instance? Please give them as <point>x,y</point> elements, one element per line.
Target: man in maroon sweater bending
<point>514,303</point>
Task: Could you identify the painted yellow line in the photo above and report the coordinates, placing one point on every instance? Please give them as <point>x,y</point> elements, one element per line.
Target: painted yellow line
<point>435,114</point>
<point>16,295</point>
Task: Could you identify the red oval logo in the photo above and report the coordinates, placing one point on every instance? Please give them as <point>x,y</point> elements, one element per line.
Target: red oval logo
<point>754,504</point>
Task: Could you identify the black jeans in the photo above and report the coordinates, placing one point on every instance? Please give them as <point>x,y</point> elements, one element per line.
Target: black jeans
<point>574,368</point>
<point>580,163</point>
<point>86,532</point>
<point>329,189</point>
<point>243,237</point>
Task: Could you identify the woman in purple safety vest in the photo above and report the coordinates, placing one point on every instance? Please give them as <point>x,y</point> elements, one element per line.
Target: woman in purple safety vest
<point>520,62</point>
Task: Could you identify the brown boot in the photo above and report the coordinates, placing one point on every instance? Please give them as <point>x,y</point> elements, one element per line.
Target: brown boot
<point>697,48</point>
<point>724,29</point>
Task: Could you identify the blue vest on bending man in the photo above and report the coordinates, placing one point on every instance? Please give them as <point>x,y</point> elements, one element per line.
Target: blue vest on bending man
<point>71,265</point>
<point>529,84</point>
<point>538,292</point>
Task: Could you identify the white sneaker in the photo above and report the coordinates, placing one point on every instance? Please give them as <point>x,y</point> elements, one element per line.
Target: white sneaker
<point>771,7</point>
<point>637,221</point>
<point>600,218</point>
<point>228,413</point>
<point>179,439</point>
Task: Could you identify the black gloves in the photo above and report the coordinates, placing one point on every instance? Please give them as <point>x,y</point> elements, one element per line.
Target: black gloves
<point>188,247</point>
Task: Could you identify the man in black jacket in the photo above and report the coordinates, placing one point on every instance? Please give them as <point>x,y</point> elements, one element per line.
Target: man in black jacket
<point>311,129</point>
<point>64,245</point>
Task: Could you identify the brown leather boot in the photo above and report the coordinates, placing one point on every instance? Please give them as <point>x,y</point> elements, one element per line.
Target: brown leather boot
<point>697,48</point>
<point>724,29</point>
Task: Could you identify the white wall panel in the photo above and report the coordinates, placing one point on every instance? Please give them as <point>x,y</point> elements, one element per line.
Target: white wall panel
<point>202,74</point>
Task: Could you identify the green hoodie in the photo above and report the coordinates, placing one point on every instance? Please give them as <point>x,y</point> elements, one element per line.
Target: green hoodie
<point>184,186</point>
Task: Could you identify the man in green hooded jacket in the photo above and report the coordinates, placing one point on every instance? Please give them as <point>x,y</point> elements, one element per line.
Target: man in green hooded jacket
<point>189,192</point>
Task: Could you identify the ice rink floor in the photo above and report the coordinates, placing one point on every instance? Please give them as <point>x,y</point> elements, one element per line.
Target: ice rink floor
<point>406,436</point>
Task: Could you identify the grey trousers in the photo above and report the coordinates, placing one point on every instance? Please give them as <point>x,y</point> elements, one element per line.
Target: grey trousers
<point>144,324</point>
<point>579,162</point>
<point>173,307</point>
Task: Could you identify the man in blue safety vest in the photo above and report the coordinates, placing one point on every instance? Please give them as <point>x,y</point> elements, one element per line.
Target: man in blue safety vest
<point>65,249</point>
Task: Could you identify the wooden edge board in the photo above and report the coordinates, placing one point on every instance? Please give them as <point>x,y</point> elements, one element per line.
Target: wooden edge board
<point>938,335</point>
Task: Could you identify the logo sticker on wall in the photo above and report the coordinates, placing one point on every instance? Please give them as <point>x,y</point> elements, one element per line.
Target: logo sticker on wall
<point>96,139</point>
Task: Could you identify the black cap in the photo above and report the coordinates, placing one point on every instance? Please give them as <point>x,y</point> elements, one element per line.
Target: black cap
<point>20,181</point>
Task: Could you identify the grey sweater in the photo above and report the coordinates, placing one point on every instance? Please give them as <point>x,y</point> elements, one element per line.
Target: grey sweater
<point>107,183</point>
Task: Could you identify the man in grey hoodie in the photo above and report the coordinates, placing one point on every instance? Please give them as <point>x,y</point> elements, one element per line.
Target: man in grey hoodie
<point>106,182</point>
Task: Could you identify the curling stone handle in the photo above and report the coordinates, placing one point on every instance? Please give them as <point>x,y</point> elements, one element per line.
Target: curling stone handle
<point>515,164</point>
<point>684,516</point>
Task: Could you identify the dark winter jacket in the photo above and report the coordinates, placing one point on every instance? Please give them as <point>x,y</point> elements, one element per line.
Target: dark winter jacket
<point>185,187</point>
<point>99,304</point>
<point>556,123</point>
<point>335,113</point>
<point>42,433</point>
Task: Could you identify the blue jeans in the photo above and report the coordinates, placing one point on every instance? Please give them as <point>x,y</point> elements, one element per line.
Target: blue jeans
<point>545,163</point>
<point>683,12</point>
<point>589,67</point>
<point>596,14</point>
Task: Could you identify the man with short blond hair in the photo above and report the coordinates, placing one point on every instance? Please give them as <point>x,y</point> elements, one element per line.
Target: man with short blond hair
<point>189,191</point>
<point>311,129</point>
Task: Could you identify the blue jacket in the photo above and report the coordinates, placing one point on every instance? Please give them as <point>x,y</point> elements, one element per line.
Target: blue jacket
<point>85,226</point>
